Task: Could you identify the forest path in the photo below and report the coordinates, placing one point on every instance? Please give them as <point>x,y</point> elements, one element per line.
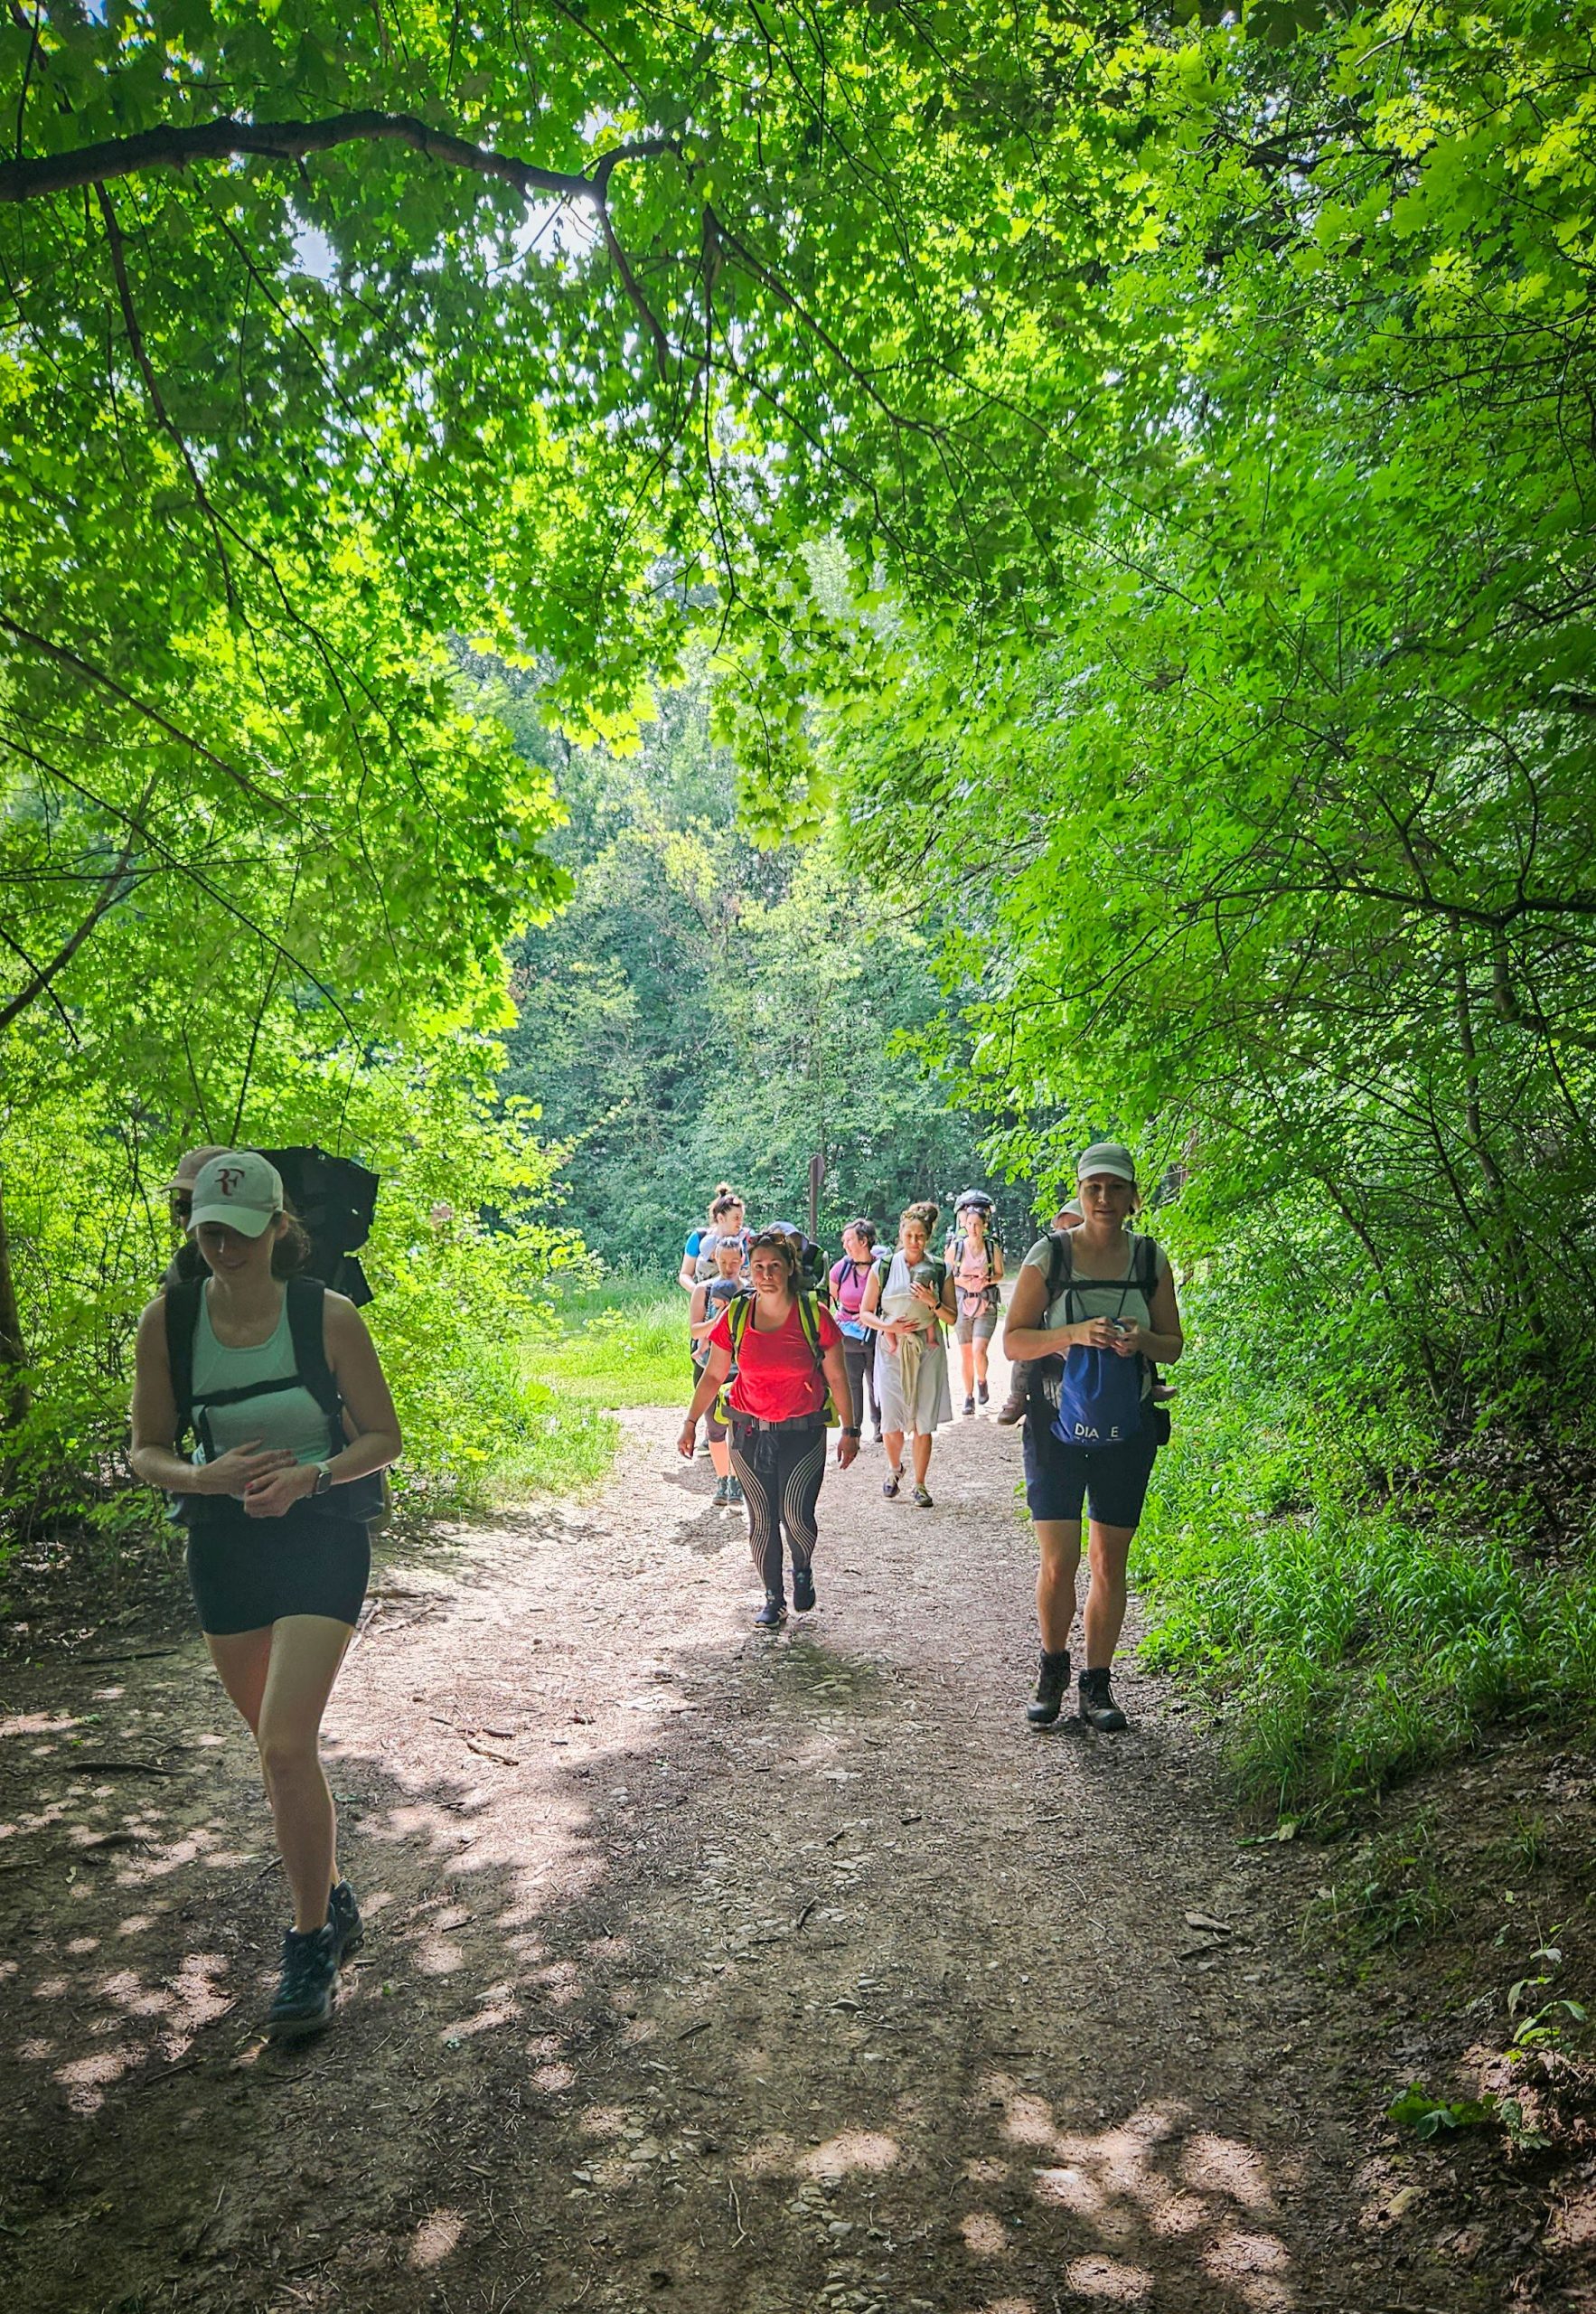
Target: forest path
<point>748,1975</point>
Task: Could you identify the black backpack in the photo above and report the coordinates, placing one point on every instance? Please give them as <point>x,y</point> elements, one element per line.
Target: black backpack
<point>365,1499</point>
<point>336,1202</point>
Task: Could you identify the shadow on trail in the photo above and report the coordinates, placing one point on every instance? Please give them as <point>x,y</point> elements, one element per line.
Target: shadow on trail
<point>717,1999</point>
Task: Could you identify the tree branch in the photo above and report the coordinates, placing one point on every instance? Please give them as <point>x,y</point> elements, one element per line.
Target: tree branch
<point>112,888</point>
<point>292,140</point>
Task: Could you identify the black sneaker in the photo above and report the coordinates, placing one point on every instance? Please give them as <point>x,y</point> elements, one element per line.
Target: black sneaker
<point>969,1405</point>
<point>308,1983</point>
<point>1052,1686</point>
<point>983,1394</point>
<point>773,1612</point>
<point>803,1589</point>
<point>1097,1705</point>
<point>343,1918</point>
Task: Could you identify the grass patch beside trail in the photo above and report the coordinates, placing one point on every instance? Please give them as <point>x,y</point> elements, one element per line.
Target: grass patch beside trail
<point>1347,1639</point>
<point>622,1343</point>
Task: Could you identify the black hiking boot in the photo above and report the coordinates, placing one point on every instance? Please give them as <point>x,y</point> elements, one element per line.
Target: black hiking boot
<point>983,1394</point>
<point>343,1918</point>
<point>772,1614</point>
<point>1097,1705</point>
<point>307,1985</point>
<point>1052,1686</point>
<point>802,1590</point>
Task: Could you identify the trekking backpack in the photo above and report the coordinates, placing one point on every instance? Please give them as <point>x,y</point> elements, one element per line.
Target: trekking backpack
<point>367,1497</point>
<point>335,1200</point>
<point>741,1315</point>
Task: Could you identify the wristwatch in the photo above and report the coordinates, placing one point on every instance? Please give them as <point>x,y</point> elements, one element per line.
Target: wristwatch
<point>852,1433</point>
<point>323,1478</point>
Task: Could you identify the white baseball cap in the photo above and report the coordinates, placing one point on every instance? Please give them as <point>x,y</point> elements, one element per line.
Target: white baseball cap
<point>240,1189</point>
<point>1111,1157</point>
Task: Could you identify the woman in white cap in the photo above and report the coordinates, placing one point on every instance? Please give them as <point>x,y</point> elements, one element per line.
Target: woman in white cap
<point>282,1387</point>
<point>1095,1305</point>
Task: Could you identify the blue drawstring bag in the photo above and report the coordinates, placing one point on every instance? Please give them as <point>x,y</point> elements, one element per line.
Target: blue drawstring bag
<point>1099,1398</point>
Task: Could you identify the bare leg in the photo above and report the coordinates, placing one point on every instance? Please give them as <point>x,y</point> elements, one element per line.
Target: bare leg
<point>921,1450</point>
<point>1108,1550</point>
<point>982,1351</point>
<point>895,1449</point>
<point>967,1359</point>
<point>720,1456</point>
<point>242,1659</point>
<point>1059,1540</point>
<point>305,1653</point>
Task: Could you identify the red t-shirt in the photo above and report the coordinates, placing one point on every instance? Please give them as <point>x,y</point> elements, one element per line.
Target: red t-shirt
<point>777,1375</point>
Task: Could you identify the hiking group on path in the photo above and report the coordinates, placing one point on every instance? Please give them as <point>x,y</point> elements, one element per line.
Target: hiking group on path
<point>279,1382</point>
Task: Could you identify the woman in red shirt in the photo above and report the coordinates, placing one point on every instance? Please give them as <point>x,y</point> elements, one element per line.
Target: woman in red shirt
<point>778,1421</point>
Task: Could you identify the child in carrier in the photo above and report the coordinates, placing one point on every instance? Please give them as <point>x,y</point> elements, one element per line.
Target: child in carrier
<point>710,1302</point>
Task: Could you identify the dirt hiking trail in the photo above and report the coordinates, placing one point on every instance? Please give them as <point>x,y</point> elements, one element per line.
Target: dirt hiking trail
<point>705,1968</point>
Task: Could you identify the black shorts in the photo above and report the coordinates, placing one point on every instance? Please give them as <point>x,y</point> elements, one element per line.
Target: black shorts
<point>1111,1479</point>
<point>246,1573</point>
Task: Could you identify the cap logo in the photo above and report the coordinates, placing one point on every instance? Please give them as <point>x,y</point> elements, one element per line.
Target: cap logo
<point>228,1178</point>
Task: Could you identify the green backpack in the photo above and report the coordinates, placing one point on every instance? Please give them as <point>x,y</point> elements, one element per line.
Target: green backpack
<point>739,1316</point>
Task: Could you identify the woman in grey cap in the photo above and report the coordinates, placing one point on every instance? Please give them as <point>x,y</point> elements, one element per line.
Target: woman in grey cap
<point>1086,1299</point>
<point>280,1382</point>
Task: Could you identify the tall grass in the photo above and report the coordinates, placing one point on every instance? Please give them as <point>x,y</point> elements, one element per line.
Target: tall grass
<point>622,1342</point>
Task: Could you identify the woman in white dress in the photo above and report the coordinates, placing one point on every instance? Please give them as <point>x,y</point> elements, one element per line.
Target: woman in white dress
<point>907,1308</point>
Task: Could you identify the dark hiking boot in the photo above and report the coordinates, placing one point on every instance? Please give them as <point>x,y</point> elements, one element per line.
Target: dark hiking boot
<point>803,1589</point>
<point>1052,1686</point>
<point>717,1501</point>
<point>308,1984</point>
<point>1097,1705</point>
<point>343,1918</point>
<point>733,1495</point>
<point>1013,1409</point>
<point>969,1405</point>
<point>772,1614</point>
<point>983,1394</point>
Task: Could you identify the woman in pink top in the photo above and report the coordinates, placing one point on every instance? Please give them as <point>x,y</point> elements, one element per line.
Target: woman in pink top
<point>976,1260</point>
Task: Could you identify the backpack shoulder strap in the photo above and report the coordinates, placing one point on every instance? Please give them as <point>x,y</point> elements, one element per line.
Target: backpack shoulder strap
<point>1147,1267</point>
<point>1061,1263</point>
<point>738,1313</point>
<point>306,1304</point>
<point>811,1326</point>
<point>183,1315</point>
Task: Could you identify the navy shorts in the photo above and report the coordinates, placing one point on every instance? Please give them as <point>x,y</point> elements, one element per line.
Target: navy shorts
<point>246,1573</point>
<point>1112,1480</point>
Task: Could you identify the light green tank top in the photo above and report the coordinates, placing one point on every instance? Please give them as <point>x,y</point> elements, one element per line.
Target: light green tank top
<point>290,1418</point>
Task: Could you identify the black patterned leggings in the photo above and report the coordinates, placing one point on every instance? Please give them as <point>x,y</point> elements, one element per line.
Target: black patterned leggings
<point>780,1473</point>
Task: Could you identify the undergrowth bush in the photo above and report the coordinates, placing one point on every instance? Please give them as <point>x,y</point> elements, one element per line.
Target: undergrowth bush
<point>1353,1619</point>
